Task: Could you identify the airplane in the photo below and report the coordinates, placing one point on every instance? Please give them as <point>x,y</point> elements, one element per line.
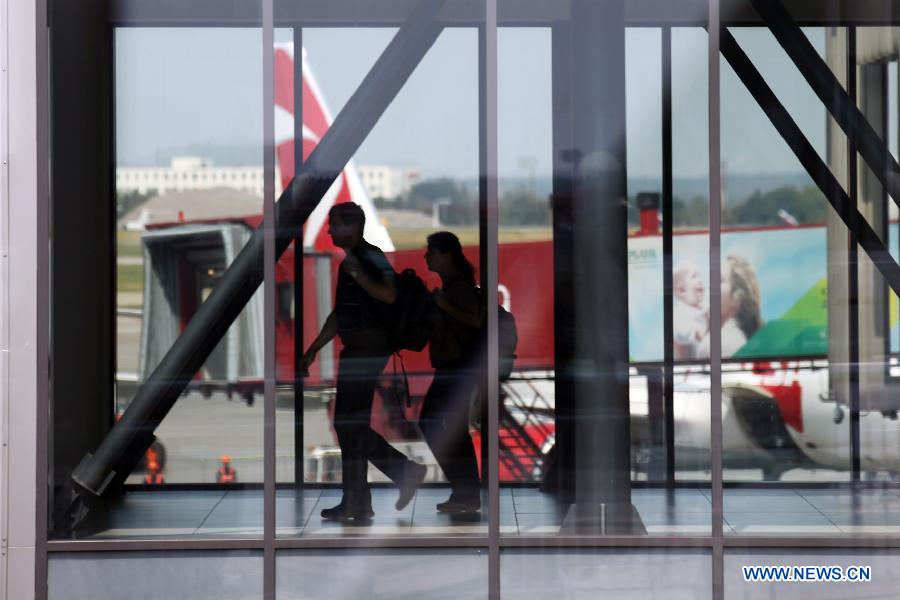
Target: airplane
<point>778,412</point>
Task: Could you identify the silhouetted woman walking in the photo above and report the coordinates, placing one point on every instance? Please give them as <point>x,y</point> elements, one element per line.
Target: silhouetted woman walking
<point>445,413</point>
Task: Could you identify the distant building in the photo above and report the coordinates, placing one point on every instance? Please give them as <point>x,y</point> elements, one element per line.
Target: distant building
<point>387,182</point>
<point>190,173</point>
<point>191,205</point>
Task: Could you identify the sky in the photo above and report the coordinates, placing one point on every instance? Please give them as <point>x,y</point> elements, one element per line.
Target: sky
<point>200,90</point>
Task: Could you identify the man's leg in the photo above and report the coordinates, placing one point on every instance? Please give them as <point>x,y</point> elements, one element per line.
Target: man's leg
<point>375,448</point>
<point>353,402</point>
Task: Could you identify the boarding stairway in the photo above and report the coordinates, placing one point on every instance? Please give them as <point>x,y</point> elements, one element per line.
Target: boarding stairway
<point>524,427</point>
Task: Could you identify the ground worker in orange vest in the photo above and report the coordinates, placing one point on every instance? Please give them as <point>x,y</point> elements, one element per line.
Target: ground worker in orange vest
<point>154,472</point>
<point>226,473</point>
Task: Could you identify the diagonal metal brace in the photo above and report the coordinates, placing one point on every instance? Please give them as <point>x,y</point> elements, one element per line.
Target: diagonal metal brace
<point>105,470</point>
<point>832,94</point>
<point>810,159</point>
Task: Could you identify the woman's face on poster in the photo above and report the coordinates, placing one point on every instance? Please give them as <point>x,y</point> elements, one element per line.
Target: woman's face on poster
<point>729,302</point>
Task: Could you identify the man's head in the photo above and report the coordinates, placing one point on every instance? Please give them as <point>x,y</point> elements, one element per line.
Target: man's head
<point>346,222</point>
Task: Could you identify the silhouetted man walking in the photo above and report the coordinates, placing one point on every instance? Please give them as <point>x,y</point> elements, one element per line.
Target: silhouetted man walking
<point>365,288</point>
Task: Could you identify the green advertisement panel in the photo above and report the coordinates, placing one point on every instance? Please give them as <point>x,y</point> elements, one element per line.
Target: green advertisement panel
<point>773,295</point>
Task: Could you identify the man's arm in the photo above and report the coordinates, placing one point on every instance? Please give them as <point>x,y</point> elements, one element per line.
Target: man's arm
<point>383,291</point>
<point>329,330</point>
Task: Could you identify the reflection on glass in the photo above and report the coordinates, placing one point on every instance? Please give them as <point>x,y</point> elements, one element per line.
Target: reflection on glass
<point>114,575</point>
<point>606,574</point>
<point>379,442</point>
<point>862,573</point>
<point>381,574</point>
<point>809,381</point>
<point>188,196</point>
<point>368,321</point>
<point>775,312</point>
<point>593,453</point>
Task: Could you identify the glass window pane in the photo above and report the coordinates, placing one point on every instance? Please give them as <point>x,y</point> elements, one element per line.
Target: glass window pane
<point>381,574</point>
<point>563,469</point>
<point>880,567</point>
<point>807,379</point>
<point>232,575</point>
<point>180,428</point>
<point>606,573</point>
<point>371,427</point>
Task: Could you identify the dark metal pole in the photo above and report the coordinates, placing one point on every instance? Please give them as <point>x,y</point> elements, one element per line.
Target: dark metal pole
<point>484,243</point>
<point>120,450</point>
<point>853,266</point>
<point>560,477</point>
<point>298,262</point>
<point>490,211</point>
<point>599,256</point>
<point>716,459</point>
<point>809,158</point>
<point>829,90</point>
<point>667,232</point>
<point>268,228</point>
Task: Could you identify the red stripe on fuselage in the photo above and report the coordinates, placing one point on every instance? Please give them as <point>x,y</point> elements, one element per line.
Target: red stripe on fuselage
<point>790,403</point>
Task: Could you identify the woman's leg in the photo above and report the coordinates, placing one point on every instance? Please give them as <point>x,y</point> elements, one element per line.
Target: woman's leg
<point>460,451</point>
<point>445,424</point>
<point>432,421</point>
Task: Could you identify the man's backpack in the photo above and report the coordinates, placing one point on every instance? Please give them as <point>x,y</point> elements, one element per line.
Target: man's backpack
<point>409,317</point>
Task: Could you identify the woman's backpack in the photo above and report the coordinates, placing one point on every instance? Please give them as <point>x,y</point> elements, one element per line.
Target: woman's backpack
<point>508,339</point>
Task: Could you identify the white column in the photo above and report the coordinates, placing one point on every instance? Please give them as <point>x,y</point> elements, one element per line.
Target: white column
<point>23,59</point>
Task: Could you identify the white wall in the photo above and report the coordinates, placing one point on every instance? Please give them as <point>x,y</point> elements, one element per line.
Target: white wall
<point>22,100</point>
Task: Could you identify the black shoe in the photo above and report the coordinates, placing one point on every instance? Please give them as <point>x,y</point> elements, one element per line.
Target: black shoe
<point>332,514</point>
<point>343,514</point>
<point>460,505</point>
<point>413,476</point>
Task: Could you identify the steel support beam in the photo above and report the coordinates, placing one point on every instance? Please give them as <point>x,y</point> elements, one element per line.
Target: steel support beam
<point>826,86</point>
<point>809,158</point>
<point>595,258</point>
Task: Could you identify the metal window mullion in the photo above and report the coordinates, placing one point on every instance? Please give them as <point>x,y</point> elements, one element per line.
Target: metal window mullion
<point>298,264</point>
<point>489,237</point>
<point>853,266</point>
<point>715,307</point>
<point>860,542</point>
<point>479,542</point>
<point>268,54</point>
<point>42,293</point>
<point>668,226</point>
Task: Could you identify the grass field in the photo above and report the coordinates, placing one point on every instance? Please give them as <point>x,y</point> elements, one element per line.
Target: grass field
<point>406,239</point>
<point>128,243</point>
<point>130,278</point>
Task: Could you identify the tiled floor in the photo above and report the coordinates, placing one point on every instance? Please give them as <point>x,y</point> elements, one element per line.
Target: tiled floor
<point>523,511</point>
